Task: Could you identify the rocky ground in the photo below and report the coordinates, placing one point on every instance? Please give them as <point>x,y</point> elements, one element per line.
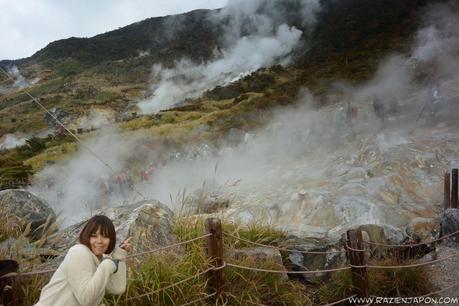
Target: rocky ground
<point>387,176</point>
<point>445,274</point>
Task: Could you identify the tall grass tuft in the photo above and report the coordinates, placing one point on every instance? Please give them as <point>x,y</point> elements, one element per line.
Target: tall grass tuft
<point>404,282</point>
<point>10,226</point>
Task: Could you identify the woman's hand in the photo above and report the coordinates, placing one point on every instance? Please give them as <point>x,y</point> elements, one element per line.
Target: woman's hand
<point>126,245</point>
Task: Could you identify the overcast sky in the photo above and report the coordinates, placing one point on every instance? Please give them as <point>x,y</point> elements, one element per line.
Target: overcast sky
<point>26,26</point>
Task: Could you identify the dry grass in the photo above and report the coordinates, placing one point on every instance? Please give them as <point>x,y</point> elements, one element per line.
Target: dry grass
<point>242,287</point>
<point>406,282</point>
<point>53,154</point>
<point>158,270</point>
<point>10,225</point>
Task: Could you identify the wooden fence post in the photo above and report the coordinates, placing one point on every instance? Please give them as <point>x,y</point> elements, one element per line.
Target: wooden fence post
<point>10,284</point>
<point>454,187</point>
<point>357,258</point>
<point>216,281</point>
<point>16,287</point>
<point>447,191</point>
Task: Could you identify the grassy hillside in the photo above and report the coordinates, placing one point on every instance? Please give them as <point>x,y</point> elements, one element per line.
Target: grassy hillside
<point>110,71</point>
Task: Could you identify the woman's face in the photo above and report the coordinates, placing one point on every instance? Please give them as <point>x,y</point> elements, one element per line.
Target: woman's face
<point>99,243</point>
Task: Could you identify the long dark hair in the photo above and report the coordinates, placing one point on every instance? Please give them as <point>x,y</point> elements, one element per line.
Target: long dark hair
<point>106,228</point>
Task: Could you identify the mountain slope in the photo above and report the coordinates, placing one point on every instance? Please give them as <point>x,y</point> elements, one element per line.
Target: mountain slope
<point>109,72</point>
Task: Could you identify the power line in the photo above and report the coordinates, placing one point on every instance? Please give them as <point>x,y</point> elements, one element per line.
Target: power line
<point>72,134</point>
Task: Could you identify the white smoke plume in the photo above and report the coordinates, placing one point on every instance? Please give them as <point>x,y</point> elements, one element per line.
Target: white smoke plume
<point>78,187</point>
<point>299,143</point>
<point>10,141</point>
<point>19,81</point>
<point>256,36</point>
<point>437,44</point>
<point>271,164</point>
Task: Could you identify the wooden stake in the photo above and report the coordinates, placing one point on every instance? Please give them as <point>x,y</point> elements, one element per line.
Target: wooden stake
<point>447,191</point>
<point>454,188</point>
<point>9,285</point>
<point>357,258</point>
<point>216,281</point>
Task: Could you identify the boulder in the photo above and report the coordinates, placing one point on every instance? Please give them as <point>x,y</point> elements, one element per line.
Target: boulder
<point>450,224</point>
<point>374,233</point>
<point>28,209</point>
<point>149,223</point>
<point>312,262</point>
<point>258,256</point>
<point>206,200</point>
<point>380,234</point>
<point>20,249</point>
<point>207,204</point>
<point>423,228</point>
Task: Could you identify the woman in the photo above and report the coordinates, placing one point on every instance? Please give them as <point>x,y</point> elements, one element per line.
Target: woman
<point>85,274</point>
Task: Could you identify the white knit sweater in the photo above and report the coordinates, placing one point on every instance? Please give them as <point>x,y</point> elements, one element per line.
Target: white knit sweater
<point>81,279</point>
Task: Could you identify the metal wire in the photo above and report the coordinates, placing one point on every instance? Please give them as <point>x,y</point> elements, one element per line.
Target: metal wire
<point>168,247</point>
<point>286,271</point>
<point>406,266</point>
<point>127,257</point>
<point>172,285</point>
<point>197,300</point>
<point>439,291</point>
<point>280,248</point>
<point>72,134</point>
<point>352,249</point>
<point>411,245</point>
<point>20,274</point>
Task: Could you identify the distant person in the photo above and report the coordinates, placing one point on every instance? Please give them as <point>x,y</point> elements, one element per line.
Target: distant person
<point>340,120</point>
<point>145,173</point>
<point>144,176</point>
<point>105,183</point>
<point>351,113</point>
<point>90,268</point>
<point>247,137</point>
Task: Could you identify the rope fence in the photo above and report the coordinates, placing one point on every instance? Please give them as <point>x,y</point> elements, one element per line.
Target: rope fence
<point>167,247</point>
<point>427,263</point>
<point>31,273</point>
<point>283,249</point>
<point>201,299</point>
<point>353,247</point>
<point>171,285</point>
<point>287,271</point>
<point>412,244</point>
<point>440,291</point>
<point>216,283</point>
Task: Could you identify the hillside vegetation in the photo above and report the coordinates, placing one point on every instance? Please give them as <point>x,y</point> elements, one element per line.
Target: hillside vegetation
<point>112,71</point>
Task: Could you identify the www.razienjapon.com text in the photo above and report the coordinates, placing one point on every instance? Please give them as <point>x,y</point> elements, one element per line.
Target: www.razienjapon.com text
<point>404,300</point>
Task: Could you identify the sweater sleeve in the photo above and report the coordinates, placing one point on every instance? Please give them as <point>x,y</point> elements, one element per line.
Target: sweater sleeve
<point>117,281</point>
<point>86,285</point>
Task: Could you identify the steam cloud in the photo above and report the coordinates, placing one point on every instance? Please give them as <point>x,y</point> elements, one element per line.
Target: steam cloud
<point>9,141</point>
<point>75,188</point>
<point>298,145</point>
<point>19,81</point>
<point>269,41</point>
